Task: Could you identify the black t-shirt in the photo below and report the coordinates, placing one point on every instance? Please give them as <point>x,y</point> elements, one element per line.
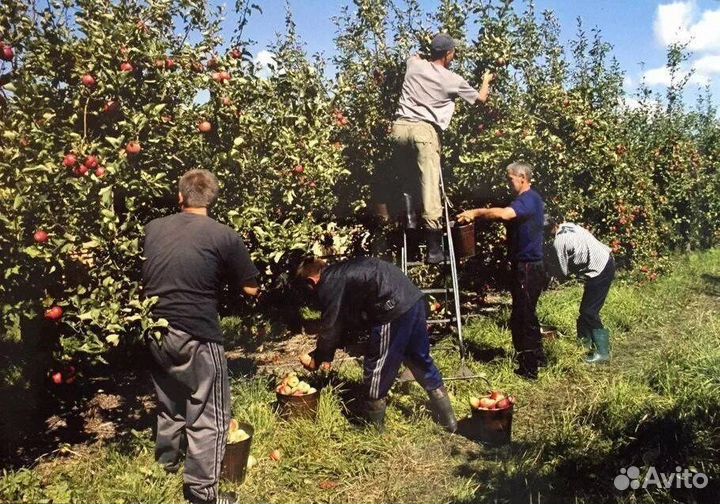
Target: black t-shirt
<point>188,259</point>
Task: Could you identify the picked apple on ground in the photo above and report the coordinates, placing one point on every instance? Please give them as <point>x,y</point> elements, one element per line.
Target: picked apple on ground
<point>291,385</point>
<point>495,400</point>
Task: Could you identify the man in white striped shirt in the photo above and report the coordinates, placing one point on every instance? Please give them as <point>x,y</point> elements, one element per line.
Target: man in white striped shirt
<point>581,255</point>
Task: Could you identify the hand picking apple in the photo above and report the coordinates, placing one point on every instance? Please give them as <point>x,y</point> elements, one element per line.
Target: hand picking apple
<point>309,363</point>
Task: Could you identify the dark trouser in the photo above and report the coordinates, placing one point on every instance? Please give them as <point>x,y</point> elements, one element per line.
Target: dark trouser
<point>594,295</point>
<point>193,389</point>
<point>527,284</point>
<point>405,339</point>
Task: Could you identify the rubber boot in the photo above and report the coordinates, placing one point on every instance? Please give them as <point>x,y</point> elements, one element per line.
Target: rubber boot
<point>374,413</point>
<point>442,409</point>
<point>527,365</point>
<point>584,334</point>
<point>601,339</point>
<point>433,238</point>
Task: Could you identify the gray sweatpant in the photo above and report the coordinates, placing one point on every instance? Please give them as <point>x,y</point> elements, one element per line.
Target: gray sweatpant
<point>193,389</point>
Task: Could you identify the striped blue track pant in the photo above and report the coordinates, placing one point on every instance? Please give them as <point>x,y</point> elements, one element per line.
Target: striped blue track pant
<point>404,340</point>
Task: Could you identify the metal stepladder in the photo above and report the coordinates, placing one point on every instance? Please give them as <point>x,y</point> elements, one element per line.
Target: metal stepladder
<point>450,258</point>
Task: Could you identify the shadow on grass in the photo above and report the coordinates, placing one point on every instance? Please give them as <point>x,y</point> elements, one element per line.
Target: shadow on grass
<point>571,470</point>
<point>711,285</point>
<point>484,353</point>
<point>239,365</point>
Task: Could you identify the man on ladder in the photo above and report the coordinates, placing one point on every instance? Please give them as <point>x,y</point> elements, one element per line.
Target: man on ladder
<point>425,108</point>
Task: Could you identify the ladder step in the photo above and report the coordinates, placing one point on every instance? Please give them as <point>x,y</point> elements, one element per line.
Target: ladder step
<point>411,264</point>
<point>439,321</point>
<point>436,291</point>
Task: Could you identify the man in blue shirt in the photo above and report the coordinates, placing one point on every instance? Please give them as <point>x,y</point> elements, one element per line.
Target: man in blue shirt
<point>524,220</point>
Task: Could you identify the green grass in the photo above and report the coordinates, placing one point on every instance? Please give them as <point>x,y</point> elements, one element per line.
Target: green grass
<point>656,404</point>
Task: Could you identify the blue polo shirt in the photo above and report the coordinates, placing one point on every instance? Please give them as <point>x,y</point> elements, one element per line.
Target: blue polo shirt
<point>525,232</point>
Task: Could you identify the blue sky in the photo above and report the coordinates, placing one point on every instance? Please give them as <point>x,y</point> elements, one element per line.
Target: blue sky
<point>639,31</point>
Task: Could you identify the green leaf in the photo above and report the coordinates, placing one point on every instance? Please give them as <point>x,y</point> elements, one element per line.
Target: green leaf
<point>32,251</point>
<point>115,142</point>
<point>89,315</point>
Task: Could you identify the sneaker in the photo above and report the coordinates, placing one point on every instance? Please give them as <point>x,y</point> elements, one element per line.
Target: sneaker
<point>222,498</point>
<point>226,498</point>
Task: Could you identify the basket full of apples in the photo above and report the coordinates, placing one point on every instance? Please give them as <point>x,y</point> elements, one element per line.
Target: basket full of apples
<point>491,417</point>
<point>237,452</point>
<point>296,398</point>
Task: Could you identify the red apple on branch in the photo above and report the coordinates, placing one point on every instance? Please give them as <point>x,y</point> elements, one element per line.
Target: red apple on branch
<point>54,314</point>
<point>133,148</point>
<point>111,106</point>
<point>88,81</point>
<point>40,236</point>
<point>70,160</point>
<point>91,162</point>
<point>7,53</point>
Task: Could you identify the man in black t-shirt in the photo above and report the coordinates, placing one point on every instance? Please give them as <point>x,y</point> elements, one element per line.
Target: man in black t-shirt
<point>189,257</point>
<point>524,219</point>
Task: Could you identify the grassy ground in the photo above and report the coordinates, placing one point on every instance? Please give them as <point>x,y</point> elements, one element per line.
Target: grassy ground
<point>656,404</point>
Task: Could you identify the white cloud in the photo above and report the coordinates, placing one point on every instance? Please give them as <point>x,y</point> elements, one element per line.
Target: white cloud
<point>265,58</point>
<point>706,32</point>
<point>680,22</point>
<point>708,65</point>
<point>630,103</point>
<point>672,22</point>
<point>657,77</point>
<point>699,78</point>
<point>265,64</point>
<point>683,21</point>
<point>661,77</point>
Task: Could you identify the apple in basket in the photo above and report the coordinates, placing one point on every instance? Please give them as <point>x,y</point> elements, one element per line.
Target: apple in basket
<point>291,385</point>
<point>492,401</point>
<point>236,434</point>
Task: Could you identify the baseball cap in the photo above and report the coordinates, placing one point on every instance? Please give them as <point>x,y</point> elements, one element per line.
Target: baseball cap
<point>442,42</point>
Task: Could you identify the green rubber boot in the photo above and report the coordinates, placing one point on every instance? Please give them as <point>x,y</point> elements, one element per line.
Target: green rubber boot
<point>442,409</point>
<point>601,339</point>
<point>584,335</point>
